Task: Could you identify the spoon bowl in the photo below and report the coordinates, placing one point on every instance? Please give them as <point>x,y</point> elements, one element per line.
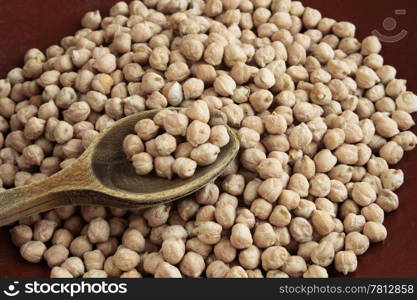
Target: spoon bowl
<point>104,176</point>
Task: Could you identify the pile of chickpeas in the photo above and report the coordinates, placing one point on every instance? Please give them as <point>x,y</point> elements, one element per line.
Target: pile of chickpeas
<point>320,118</point>
<point>201,146</point>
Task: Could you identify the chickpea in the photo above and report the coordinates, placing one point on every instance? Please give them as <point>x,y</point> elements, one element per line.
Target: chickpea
<point>205,154</point>
<point>80,245</point>
<point>391,152</point>
<point>62,237</point>
<point>183,150</point>
<point>405,101</point>
<point>187,208</point>
<point>199,247</point>
<point>126,259</point>
<point>322,222</point>
<point>315,271</point>
<point>143,163</point>
<point>165,144</point>
<point>225,251</point>
<point>406,139</point>
<point>376,232</point>
<point>95,274</point>
<point>63,132</point>
<point>294,266</point>
<point>347,154</point>
<point>74,265</point>
<point>354,223</point>
<point>249,138</point>
<point>217,269</point>
<point>173,250</point>
<point>184,167</point>
<point>56,255</point>
<point>251,158</point>
<point>43,230</point>
<point>363,194</point>
<point>219,136</point>
<point>270,168</point>
<point>241,237</point>
<point>59,272</point>
<point>131,274</point>
<point>320,185</point>
<point>208,194</point>
<point>301,230</point>
<point>157,215</point>
<point>209,232</point>
<point>250,258</point>
<point>151,262</point>
<point>33,251</point>
<point>274,257</point>
<point>323,254</point>
<point>165,270</point>
<point>357,242</point>
<point>134,240</point>
<point>98,231</point>
<point>198,133</point>
<point>146,129</point>
<point>299,184</point>
<point>261,208</point>
<point>192,265</point>
<point>346,262</point>
<point>175,123</point>
<point>163,166</point>
<point>21,234</point>
<point>132,144</point>
<point>237,272</point>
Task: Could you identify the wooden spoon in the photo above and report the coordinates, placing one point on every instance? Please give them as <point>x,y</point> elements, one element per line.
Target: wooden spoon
<point>104,176</point>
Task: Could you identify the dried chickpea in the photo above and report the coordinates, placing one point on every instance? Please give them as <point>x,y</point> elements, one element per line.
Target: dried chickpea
<point>56,255</point>
<point>80,245</point>
<point>198,133</point>
<point>60,272</point>
<point>294,266</point>
<point>62,237</point>
<point>74,265</point>
<point>376,232</point>
<point>192,265</point>
<point>95,274</point>
<point>241,237</point>
<point>301,230</point>
<point>363,194</point>
<point>236,272</point>
<point>346,261</point>
<point>209,232</point>
<point>205,154</point>
<point>143,163</point>
<point>166,270</point>
<point>217,269</point>
<point>357,242</point>
<point>126,259</point>
<point>391,152</point>
<point>43,230</point>
<point>33,251</point>
<point>21,234</point>
<point>98,231</point>
<point>132,144</point>
<point>175,123</point>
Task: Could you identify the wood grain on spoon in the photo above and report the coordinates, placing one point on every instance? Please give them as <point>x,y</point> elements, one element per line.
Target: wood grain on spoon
<point>104,176</point>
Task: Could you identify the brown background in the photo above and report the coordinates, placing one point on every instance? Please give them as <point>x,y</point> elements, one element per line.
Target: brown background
<point>25,24</point>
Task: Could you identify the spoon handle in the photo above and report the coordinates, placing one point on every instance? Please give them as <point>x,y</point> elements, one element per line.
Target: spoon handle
<point>57,190</point>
